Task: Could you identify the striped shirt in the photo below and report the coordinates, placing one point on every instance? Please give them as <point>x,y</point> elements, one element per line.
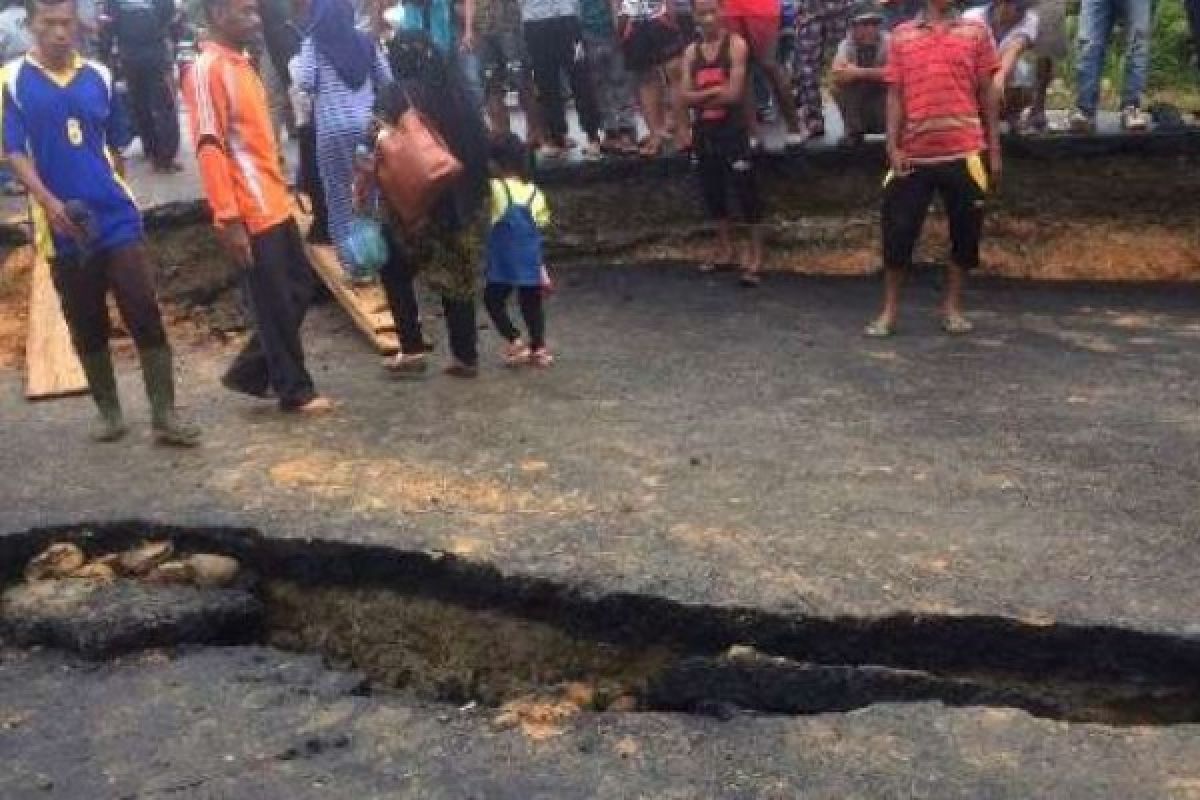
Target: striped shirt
<point>939,69</point>
<point>235,141</point>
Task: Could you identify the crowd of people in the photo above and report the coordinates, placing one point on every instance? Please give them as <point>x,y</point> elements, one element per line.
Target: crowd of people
<point>936,82</point>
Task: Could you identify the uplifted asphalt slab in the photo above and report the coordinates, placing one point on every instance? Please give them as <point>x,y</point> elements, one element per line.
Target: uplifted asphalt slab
<point>259,723</point>
<point>719,446</point>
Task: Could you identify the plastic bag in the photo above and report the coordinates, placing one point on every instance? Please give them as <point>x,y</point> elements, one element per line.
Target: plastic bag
<point>365,249</point>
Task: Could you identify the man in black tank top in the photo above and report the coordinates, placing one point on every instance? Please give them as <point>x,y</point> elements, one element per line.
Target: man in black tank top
<point>714,87</point>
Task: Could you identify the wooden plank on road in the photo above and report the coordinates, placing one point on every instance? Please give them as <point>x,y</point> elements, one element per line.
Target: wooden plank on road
<point>51,367</point>
<point>366,306</point>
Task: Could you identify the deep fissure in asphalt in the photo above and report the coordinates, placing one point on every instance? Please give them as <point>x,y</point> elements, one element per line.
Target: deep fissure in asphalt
<point>457,631</point>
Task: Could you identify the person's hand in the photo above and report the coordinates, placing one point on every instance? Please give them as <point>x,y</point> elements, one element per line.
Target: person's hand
<point>901,164</point>
<point>999,80</point>
<point>995,164</point>
<point>236,242</point>
<point>58,218</point>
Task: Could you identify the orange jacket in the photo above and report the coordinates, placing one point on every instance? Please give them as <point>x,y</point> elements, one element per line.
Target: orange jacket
<point>235,140</point>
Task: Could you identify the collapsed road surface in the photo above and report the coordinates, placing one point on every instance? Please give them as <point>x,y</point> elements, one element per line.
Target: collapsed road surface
<point>507,689</point>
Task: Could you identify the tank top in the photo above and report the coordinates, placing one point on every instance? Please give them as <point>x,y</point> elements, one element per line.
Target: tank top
<point>709,73</point>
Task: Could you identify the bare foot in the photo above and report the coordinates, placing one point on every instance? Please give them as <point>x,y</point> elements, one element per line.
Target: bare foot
<point>318,405</point>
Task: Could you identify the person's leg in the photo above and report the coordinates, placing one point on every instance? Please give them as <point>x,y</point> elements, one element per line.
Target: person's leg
<point>583,89</point>
<point>600,55</point>
<point>1193,14</point>
<point>963,186</point>
<point>133,288</point>
<point>1095,26</point>
<point>463,335</point>
<point>874,108</point>
<point>309,182</point>
<point>712,173</point>
<point>397,277</point>
<point>650,94</point>
<point>1137,51</point>
<point>765,43</point>
<point>552,55</point>
<point>744,182</point>
<point>337,139</point>
<point>849,101</point>
<point>272,285</point>
<point>166,118</point>
<point>495,300</point>
<point>82,288</point>
<point>906,201</point>
<point>808,69</point>
<point>494,74</point>
<point>673,70</point>
<point>532,312</point>
<point>142,93</point>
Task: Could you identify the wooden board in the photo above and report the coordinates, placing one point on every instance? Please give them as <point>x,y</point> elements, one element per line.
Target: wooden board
<point>367,306</point>
<point>51,367</point>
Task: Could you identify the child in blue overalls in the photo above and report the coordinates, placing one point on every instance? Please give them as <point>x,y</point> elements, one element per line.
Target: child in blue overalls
<point>514,254</point>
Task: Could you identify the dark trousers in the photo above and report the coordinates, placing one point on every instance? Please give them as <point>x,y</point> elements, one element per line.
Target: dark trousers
<point>152,105</point>
<point>308,181</point>
<point>83,286</point>
<point>962,185</point>
<point>863,105</point>
<point>555,47</point>
<point>398,277</point>
<point>278,289</point>
<point>529,298</point>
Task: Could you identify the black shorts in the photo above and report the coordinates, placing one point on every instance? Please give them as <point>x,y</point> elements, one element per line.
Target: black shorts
<point>963,187</point>
<point>725,165</point>
<point>649,43</point>
<point>503,62</point>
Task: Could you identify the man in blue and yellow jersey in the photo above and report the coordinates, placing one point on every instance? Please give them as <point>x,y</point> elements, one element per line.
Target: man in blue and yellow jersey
<point>60,131</point>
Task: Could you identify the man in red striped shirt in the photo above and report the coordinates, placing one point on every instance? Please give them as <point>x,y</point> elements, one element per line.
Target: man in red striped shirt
<point>942,116</point>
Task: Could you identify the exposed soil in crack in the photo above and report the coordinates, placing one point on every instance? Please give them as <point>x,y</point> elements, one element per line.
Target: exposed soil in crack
<point>457,631</point>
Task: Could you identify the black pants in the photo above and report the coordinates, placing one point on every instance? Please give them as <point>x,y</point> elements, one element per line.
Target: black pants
<point>152,105</point>
<point>83,287</point>
<point>398,277</point>
<point>725,166</point>
<point>555,47</point>
<point>278,288</point>
<point>962,185</point>
<point>529,298</point>
<point>308,181</point>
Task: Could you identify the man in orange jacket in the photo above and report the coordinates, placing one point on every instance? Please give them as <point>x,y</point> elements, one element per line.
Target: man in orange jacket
<point>252,212</point>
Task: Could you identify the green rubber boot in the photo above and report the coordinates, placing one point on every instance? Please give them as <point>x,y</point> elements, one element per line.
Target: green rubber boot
<point>110,425</point>
<point>159,375</point>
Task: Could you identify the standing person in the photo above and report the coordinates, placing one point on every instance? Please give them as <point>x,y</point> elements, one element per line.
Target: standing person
<point>1014,28</point>
<point>614,98</point>
<point>62,138</point>
<point>823,24</point>
<point>1096,21</point>
<point>448,250</point>
<point>499,63</point>
<point>252,212</point>
<point>141,29</point>
<point>859,86</point>
<point>1050,47</point>
<point>942,115</point>
<point>715,83</point>
<point>341,68</point>
<point>651,46</point>
<point>554,40</point>
<point>758,23</point>
<point>515,261</point>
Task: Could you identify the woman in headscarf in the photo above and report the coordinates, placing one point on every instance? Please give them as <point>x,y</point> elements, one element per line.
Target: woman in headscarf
<point>447,252</point>
<point>341,68</point>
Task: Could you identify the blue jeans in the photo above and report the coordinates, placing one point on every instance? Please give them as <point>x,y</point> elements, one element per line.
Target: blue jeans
<point>1096,22</point>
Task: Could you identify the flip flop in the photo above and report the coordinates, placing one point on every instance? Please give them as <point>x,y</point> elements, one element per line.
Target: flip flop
<point>956,324</point>
<point>879,328</point>
<point>750,279</point>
